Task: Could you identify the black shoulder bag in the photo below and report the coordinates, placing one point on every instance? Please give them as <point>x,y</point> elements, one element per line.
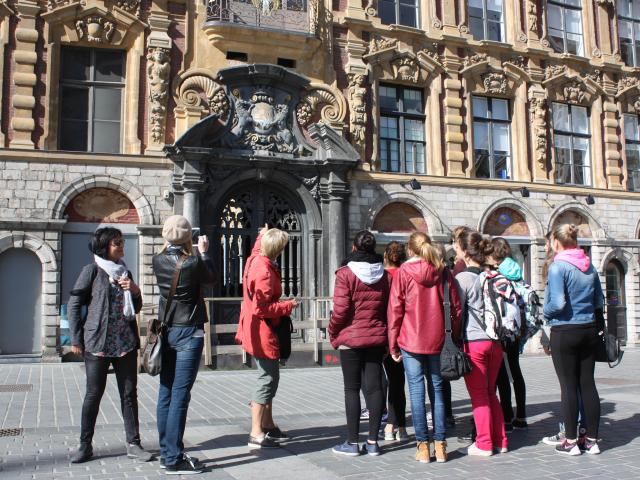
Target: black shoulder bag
<point>152,352</point>
<point>609,349</point>
<point>454,363</point>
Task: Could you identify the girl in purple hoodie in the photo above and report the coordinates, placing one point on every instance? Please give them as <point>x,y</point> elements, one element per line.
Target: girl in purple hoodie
<point>572,296</point>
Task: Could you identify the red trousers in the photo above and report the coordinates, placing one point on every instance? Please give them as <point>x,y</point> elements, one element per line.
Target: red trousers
<point>486,358</point>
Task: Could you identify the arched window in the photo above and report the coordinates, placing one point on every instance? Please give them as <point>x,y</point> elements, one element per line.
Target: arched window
<point>399,217</point>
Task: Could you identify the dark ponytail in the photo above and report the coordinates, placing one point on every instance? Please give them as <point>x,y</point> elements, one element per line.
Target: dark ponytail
<point>364,241</point>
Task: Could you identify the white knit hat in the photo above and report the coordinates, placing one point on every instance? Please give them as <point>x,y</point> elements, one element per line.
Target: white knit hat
<point>177,230</point>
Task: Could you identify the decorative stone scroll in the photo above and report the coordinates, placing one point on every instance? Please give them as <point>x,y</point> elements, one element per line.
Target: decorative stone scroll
<point>202,90</point>
<point>95,29</point>
<point>130,6</point>
<point>406,69</point>
<point>495,83</point>
<point>330,104</point>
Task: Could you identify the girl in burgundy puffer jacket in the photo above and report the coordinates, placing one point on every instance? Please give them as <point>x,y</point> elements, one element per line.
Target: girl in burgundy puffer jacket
<point>358,329</point>
<point>416,335</point>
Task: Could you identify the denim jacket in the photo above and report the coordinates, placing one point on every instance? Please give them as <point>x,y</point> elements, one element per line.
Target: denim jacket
<point>572,296</point>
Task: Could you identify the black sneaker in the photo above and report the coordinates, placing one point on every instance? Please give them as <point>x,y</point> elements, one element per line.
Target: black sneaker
<point>184,456</point>
<point>467,439</point>
<point>186,466</point>
<point>264,442</point>
<point>519,423</point>
<point>569,448</point>
<point>83,454</point>
<point>276,435</point>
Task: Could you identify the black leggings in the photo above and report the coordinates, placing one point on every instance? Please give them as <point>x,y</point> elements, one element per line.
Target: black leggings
<point>504,387</point>
<point>127,377</point>
<point>359,363</point>
<point>573,350</point>
<point>397,401</point>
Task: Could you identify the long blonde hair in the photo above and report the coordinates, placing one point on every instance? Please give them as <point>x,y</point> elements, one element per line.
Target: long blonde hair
<point>420,245</point>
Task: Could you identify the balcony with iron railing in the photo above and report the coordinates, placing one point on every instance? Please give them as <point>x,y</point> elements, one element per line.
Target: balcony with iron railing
<point>288,16</point>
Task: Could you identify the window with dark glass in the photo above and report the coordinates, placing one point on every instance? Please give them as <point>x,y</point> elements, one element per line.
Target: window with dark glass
<point>486,19</point>
<point>632,151</point>
<point>401,12</point>
<point>402,138</point>
<point>491,138</point>
<point>564,18</point>
<point>629,31</point>
<point>91,87</point>
<point>571,140</point>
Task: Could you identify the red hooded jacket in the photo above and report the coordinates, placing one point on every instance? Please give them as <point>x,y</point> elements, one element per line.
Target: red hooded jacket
<point>360,296</point>
<point>416,311</point>
<point>262,283</point>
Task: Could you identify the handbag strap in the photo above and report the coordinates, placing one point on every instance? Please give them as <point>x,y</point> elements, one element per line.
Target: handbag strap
<point>174,286</point>
<point>446,302</point>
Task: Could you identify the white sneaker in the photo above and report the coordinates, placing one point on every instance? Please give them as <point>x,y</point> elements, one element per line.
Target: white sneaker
<point>402,434</point>
<point>475,451</point>
<point>554,440</point>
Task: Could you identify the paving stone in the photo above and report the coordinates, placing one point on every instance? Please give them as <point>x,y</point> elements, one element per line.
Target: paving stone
<point>310,406</point>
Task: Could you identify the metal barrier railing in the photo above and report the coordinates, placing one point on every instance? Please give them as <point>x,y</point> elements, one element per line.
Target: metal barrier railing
<point>310,321</point>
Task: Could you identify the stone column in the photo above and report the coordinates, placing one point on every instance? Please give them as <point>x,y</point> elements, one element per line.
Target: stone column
<point>453,120</point>
<point>612,157</point>
<point>192,183</point>
<point>24,78</point>
<point>335,223</point>
<point>5,15</point>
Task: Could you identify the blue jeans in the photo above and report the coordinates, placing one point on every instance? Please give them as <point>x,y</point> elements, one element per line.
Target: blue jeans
<point>180,362</point>
<point>416,367</point>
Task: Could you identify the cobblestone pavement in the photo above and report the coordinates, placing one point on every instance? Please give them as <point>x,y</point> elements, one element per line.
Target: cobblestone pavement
<point>310,406</point>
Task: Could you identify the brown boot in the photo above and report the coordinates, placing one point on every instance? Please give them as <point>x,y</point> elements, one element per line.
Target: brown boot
<point>422,452</point>
<point>441,451</point>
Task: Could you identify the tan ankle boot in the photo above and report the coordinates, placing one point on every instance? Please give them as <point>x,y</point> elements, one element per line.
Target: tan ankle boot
<point>422,452</point>
<point>441,451</point>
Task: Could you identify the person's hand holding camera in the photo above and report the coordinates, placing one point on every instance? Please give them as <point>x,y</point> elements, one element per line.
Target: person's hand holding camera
<point>203,244</point>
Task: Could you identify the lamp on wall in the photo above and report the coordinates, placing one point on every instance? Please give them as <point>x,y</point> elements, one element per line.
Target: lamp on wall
<point>590,200</point>
<point>524,191</point>
<point>415,184</point>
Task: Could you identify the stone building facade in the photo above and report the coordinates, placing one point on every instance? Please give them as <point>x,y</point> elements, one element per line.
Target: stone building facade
<point>321,117</point>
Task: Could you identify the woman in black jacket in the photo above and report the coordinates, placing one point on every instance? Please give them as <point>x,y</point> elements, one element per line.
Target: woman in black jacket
<point>107,335</point>
<point>185,321</point>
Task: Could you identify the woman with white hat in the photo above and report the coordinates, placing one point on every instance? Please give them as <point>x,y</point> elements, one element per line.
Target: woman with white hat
<point>184,336</point>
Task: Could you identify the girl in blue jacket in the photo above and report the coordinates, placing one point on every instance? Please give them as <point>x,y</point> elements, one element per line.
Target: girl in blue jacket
<point>572,296</point>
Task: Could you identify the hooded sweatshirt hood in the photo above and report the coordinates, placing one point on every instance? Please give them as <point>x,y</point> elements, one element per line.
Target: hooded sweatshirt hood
<point>576,257</point>
<point>366,272</point>
<point>510,269</point>
<point>422,272</point>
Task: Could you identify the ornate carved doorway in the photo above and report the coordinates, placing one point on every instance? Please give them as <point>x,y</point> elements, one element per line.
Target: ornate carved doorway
<point>241,216</point>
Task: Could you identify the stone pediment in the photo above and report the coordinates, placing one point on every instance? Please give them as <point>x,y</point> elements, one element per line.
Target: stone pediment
<point>400,63</point>
<point>94,23</point>
<point>268,112</point>
<point>572,88</point>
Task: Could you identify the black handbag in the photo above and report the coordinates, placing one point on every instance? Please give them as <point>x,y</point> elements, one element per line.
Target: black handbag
<point>454,363</point>
<point>609,349</point>
<point>283,331</point>
<point>152,352</point>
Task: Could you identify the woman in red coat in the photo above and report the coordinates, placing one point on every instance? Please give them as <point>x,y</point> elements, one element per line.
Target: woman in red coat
<point>260,311</point>
<point>358,329</point>
<point>416,335</point>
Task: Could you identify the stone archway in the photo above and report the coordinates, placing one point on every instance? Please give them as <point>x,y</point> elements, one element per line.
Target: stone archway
<point>49,285</point>
<point>121,185</point>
